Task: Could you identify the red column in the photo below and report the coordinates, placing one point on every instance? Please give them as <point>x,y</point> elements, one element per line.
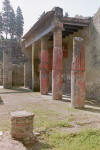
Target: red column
<point>44,67</point>
<point>57,72</point>
<point>78,74</point>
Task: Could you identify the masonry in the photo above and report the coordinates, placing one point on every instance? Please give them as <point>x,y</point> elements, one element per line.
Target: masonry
<point>12,69</point>
<point>64,56</point>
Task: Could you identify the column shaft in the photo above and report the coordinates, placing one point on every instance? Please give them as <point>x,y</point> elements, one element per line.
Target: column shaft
<point>35,67</point>
<point>7,68</point>
<point>57,72</point>
<point>28,69</point>
<point>44,68</point>
<point>78,74</point>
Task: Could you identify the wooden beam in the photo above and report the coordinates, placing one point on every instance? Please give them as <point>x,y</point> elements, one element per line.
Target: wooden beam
<point>72,27</point>
<point>70,30</point>
<point>75,24</point>
<point>39,35</point>
<point>76,20</point>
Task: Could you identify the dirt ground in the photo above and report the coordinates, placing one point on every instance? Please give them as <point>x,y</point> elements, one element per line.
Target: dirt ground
<point>46,111</point>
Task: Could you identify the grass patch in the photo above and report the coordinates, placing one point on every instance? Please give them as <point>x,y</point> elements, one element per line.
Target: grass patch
<point>48,118</point>
<point>49,124</point>
<point>59,124</point>
<point>71,118</point>
<point>84,140</point>
<point>5,126</point>
<point>71,109</point>
<point>80,123</point>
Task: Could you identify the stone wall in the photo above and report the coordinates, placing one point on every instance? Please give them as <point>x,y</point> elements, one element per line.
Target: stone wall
<point>13,68</point>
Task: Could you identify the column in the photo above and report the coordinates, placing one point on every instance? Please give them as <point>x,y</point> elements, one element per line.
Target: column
<point>57,73</point>
<point>44,68</point>
<point>7,67</point>
<point>28,69</point>
<point>35,67</point>
<point>78,74</point>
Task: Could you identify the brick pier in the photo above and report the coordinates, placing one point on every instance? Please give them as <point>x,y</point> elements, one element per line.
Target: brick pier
<point>22,126</point>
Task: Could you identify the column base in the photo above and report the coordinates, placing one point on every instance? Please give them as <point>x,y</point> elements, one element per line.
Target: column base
<point>44,76</point>
<point>57,84</point>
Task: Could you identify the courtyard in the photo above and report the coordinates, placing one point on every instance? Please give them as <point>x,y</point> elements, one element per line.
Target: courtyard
<point>56,123</point>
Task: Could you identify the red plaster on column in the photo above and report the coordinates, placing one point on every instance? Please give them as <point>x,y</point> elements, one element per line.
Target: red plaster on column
<point>50,59</point>
<point>44,68</point>
<point>78,74</point>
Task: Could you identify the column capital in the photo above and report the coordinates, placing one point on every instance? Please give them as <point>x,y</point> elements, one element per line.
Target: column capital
<point>58,26</point>
<point>45,38</point>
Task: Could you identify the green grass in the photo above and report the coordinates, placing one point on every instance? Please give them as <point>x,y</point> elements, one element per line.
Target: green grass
<point>71,118</point>
<point>5,125</point>
<point>59,124</point>
<point>80,123</point>
<point>84,140</point>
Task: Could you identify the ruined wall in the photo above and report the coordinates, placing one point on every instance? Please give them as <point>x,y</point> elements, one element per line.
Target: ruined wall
<point>13,72</point>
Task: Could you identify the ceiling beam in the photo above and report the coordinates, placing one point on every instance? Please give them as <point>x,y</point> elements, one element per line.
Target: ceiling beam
<point>75,24</point>
<point>72,27</point>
